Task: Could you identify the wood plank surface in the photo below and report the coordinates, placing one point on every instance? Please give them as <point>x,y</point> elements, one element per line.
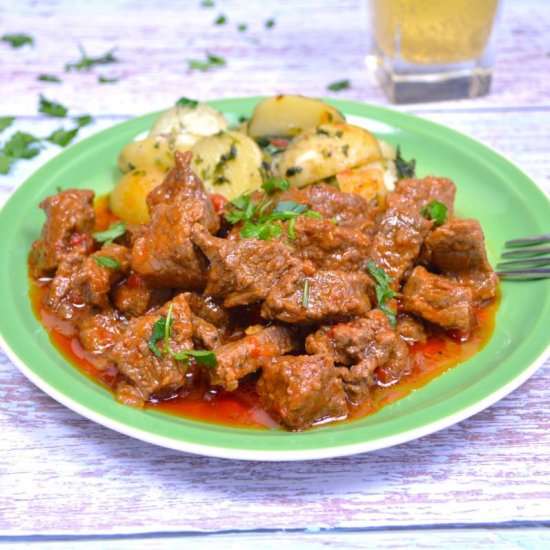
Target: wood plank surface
<point>61,474</point>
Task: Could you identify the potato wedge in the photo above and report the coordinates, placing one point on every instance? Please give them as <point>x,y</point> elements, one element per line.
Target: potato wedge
<point>289,115</point>
<point>128,198</point>
<point>228,163</point>
<point>144,153</point>
<point>323,151</point>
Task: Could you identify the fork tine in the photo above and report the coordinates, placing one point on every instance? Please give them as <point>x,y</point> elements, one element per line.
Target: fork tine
<point>536,239</point>
<point>524,261</point>
<point>529,273</point>
<point>525,252</point>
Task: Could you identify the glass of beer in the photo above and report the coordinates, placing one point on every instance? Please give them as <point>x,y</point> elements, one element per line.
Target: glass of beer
<point>432,50</point>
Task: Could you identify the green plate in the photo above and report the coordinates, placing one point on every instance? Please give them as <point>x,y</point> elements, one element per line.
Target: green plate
<point>490,188</point>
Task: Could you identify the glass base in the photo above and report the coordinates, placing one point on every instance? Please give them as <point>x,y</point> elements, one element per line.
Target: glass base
<point>439,86</point>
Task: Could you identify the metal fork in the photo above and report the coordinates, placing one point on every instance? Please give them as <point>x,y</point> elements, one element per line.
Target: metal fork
<point>527,259</point>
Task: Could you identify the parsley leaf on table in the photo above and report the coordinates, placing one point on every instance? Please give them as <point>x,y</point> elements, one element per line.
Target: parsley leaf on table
<point>6,122</point>
<point>186,102</point>
<point>85,63</point>
<point>269,23</point>
<point>83,120</point>
<point>22,146</point>
<point>339,85</point>
<point>48,78</point>
<point>63,137</point>
<point>220,20</point>
<point>51,108</point>
<point>107,80</point>
<point>17,40</point>
<point>212,61</point>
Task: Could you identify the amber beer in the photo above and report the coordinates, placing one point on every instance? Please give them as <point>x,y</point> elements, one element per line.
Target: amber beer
<point>432,36</point>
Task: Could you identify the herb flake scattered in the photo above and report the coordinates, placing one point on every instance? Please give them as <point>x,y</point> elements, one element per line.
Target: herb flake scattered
<point>212,61</point>
<point>17,40</point>
<point>107,80</point>
<point>339,85</point>
<point>6,122</point>
<point>48,78</point>
<point>110,234</point>
<point>186,102</point>
<point>85,63</point>
<point>22,146</point>
<point>83,120</point>
<point>106,261</point>
<point>63,137</point>
<point>220,20</point>
<point>383,290</point>
<point>405,169</point>
<point>435,211</point>
<point>269,23</point>
<point>52,108</point>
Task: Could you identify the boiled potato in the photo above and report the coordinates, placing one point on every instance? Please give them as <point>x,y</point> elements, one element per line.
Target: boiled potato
<point>189,124</point>
<point>128,199</point>
<point>323,151</point>
<point>367,181</point>
<point>288,115</point>
<point>152,151</point>
<point>228,163</point>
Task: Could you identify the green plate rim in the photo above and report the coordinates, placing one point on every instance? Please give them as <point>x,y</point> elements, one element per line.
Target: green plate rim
<point>27,345</point>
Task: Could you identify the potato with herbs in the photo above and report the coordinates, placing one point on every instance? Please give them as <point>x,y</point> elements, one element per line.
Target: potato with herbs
<point>155,151</point>
<point>321,152</point>
<point>128,199</point>
<point>289,115</point>
<point>228,163</point>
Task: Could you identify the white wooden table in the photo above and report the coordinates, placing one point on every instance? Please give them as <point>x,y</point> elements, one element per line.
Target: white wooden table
<point>65,481</point>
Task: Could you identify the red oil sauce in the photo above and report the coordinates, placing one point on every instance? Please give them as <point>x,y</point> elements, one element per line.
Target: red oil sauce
<point>241,408</point>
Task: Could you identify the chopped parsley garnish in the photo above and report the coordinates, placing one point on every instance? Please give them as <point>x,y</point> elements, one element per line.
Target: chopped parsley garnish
<point>207,4</point>
<point>5,164</point>
<point>51,108</point>
<point>269,23</point>
<point>107,80</point>
<point>405,169</point>
<point>83,120</point>
<point>219,177</point>
<point>259,225</point>
<point>220,20</point>
<point>186,102</point>
<point>106,261</point>
<point>435,211</point>
<point>48,78</point>
<point>18,40</point>
<point>305,294</point>
<point>162,331</point>
<point>241,27</point>
<point>383,290</point>
<point>109,235</point>
<point>212,61</point>
<point>339,85</point>
<point>85,63</point>
<point>6,122</point>
<point>275,184</point>
<point>63,137</point>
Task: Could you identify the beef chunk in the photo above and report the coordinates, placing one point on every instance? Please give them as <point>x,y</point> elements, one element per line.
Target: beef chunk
<point>369,346</point>
<point>62,300</point>
<point>397,244</point>
<point>181,184</point>
<point>134,296</point>
<point>70,216</point>
<point>98,332</point>
<point>414,194</point>
<point>331,296</point>
<point>205,334</point>
<point>93,281</point>
<point>239,358</point>
<point>329,246</point>
<point>347,209</point>
<point>411,329</point>
<point>299,391</point>
<point>457,248</point>
<point>242,272</point>
<point>206,308</point>
<point>165,255</point>
<point>438,300</point>
<point>152,375</point>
